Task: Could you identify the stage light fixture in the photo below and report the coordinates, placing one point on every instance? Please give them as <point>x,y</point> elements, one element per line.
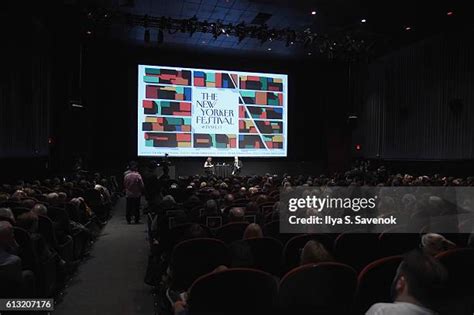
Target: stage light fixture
<point>160,36</point>
<point>183,27</point>
<point>306,38</point>
<point>269,49</point>
<point>450,13</point>
<point>290,38</point>
<point>146,36</point>
<point>407,28</point>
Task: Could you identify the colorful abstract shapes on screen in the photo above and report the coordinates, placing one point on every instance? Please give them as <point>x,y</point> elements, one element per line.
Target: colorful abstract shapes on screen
<point>168,140</point>
<point>167,76</point>
<point>166,92</point>
<point>260,83</point>
<point>219,141</point>
<point>257,112</point>
<point>166,109</point>
<point>262,98</point>
<point>215,79</point>
<point>167,124</point>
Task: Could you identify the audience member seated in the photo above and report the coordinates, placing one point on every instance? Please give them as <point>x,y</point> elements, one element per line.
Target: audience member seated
<point>417,287</point>
<point>314,252</point>
<point>14,282</point>
<point>253,230</point>
<point>40,209</point>
<point>433,244</point>
<point>236,214</point>
<point>7,215</point>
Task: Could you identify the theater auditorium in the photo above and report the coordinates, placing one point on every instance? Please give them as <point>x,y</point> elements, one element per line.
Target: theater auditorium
<point>236,157</point>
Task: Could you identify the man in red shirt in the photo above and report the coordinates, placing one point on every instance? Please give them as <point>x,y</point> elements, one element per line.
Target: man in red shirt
<point>134,187</point>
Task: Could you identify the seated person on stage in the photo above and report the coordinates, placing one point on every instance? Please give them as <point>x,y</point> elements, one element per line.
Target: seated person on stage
<point>237,166</point>
<point>416,287</point>
<point>208,166</point>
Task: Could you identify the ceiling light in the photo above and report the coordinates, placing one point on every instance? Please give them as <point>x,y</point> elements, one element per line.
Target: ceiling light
<point>363,20</point>
<point>407,28</point>
<point>313,12</point>
<point>450,13</point>
<point>269,49</point>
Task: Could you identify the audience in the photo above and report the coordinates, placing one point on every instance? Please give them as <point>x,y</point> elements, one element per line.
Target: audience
<point>236,214</point>
<point>64,203</point>
<point>433,244</point>
<point>10,264</point>
<point>7,215</point>
<point>314,252</point>
<point>417,286</point>
<point>253,230</point>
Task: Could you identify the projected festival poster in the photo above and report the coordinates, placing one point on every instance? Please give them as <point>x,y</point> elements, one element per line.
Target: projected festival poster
<point>199,112</point>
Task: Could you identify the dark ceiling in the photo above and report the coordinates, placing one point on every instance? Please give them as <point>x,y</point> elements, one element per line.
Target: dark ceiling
<point>388,24</point>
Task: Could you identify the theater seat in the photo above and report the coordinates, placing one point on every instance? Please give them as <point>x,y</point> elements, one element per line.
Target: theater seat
<point>374,282</point>
<point>231,232</point>
<point>233,291</point>
<point>460,289</point>
<point>460,265</point>
<point>292,249</point>
<point>257,253</point>
<point>17,211</point>
<point>45,270</point>
<point>179,233</point>
<point>356,249</point>
<point>62,227</point>
<point>193,258</point>
<point>65,248</point>
<point>324,288</point>
<point>26,251</point>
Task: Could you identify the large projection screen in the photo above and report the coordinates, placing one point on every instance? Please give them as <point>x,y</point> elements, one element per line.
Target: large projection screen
<point>203,112</point>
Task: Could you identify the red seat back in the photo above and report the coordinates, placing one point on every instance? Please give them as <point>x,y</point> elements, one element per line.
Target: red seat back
<point>233,291</point>
<point>375,281</point>
<point>318,288</point>
<point>193,258</point>
<point>231,232</point>
<point>257,253</point>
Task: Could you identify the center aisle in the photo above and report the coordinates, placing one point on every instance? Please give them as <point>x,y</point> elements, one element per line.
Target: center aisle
<point>111,280</point>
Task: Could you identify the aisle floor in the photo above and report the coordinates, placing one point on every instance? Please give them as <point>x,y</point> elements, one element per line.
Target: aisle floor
<point>111,280</point>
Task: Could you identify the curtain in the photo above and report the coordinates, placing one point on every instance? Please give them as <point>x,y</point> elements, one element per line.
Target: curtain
<point>418,101</point>
<point>25,81</point>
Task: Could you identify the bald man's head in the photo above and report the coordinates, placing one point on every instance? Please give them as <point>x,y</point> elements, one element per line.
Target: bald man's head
<point>236,214</point>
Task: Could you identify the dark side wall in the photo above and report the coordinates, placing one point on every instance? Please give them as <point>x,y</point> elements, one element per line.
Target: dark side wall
<point>419,102</point>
